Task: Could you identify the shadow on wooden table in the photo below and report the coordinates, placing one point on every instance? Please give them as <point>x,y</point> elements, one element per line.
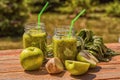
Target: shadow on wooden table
<point>59,74</point>
<point>41,71</point>
<point>85,77</point>
<point>94,70</point>
<point>44,72</point>
<point>89,75</point>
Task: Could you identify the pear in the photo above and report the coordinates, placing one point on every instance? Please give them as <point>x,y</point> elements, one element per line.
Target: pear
<point>54,65</point>
<point>85,56</point>
<point>76,67</point>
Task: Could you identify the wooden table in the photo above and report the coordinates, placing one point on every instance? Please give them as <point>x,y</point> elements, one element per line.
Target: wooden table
<point>10,69</point>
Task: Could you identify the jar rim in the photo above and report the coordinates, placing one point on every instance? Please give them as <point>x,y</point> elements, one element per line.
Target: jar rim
<point>63,31</point>
<point>33,25</point>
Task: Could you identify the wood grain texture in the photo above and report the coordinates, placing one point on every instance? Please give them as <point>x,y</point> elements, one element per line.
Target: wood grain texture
<point>10,69</point>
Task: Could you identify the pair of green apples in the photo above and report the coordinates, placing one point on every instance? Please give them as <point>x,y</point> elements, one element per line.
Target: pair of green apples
<point>32,58</point>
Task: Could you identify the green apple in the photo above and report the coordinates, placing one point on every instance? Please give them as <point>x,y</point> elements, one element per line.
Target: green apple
<point>85,56</point>
<point>31,58</point>
<point>76,67</point>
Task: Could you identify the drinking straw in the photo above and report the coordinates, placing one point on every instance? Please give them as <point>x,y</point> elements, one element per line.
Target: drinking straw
<point>73,21</point>
<point>39,15</point>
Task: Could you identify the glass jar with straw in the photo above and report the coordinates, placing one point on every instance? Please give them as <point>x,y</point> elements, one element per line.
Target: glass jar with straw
<point>64,47</point>
<point>65,43</point>
<point>35,37</point>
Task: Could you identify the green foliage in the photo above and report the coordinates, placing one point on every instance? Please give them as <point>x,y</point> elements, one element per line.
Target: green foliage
<point>35,6</point>
<point>62,6</point>
<point>113,8</point>
<point>70,6</point>
<point>13,15</point>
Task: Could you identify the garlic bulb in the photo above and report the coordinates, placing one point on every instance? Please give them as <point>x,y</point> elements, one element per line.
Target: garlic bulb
<point>54,65</point>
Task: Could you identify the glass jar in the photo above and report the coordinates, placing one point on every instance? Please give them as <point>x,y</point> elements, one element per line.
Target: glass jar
<point>64,47</point>
<point>35,37</point>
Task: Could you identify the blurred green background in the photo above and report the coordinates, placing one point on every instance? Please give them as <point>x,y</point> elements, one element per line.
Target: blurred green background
<point>102,17</point>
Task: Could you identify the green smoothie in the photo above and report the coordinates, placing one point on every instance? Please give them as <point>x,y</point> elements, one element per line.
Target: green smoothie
<point>65,48</point>
<point>35,38</point>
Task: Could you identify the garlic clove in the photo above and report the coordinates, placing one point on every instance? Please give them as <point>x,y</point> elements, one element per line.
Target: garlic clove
<point>54,65</point>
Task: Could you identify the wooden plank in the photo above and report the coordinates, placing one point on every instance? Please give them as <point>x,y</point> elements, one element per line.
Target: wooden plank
<point>114,46</point>
<point>9,52</point>
<point>10,69</point>
<point>100,72</point>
